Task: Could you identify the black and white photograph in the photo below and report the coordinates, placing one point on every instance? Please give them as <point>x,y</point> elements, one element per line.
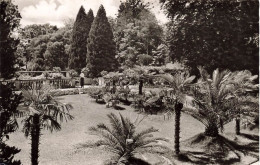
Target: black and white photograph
<point>129,82</point>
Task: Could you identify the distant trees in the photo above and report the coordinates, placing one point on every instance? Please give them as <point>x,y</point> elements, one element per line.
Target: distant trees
<point>44,49</point>
<point>136,32</point>
<point>101,46</point>
<point>25,54</point>
<point>54,55</point>
<point>37,48</point>
<point>35,30</point>
<point>9,21</point>
<point>80,33</point>
<point>161,55</point>
<point>214,34</point>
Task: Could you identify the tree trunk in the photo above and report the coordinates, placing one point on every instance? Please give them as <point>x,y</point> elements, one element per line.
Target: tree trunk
<point>211,130</point>
<point>35,137</point>
<point>140,87</point>
<point>237,126</point>
<point>178,108</point>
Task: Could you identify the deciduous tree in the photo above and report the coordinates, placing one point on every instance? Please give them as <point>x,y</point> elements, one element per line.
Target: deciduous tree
<point>9,21</point>
<point>214,34</point>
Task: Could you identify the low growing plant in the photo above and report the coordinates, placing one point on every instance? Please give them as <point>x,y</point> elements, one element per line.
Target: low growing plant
<point>125,142</point>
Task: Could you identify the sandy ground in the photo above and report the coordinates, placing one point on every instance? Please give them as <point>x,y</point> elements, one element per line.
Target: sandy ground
<point>62,147</point>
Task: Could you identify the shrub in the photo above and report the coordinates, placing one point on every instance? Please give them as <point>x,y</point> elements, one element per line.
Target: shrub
<point>86,72</point>
<point>145,59</point>
<point>60,92</point>
<point>56,75</point>
<point>111,100</point>
<point>73,73</point>
<point>103,73</point>
<point>56,69</point>
<point>97,93</point>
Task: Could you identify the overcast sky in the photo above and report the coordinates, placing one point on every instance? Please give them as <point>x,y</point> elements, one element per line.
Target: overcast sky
<point>56,11</point>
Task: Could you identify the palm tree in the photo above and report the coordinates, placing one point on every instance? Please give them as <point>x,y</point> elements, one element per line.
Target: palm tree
<point>123,140</point>
<point>179,85</point>
<point>245,103</point>
<point>245,108</point>
<point>211,100</point>
<point>219,100</point>
<point>42,112</point>
<point>214,106</point>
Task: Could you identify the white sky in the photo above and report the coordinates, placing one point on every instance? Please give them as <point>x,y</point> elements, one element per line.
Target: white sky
<point>56,11</point>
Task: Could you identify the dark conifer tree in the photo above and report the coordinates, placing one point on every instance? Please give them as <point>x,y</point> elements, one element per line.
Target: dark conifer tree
<point>81,28</point>
<point>90,20</point>
<point>101,46</point>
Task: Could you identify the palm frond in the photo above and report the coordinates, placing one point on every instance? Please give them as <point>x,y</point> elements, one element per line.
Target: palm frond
<point>145,132</point>
<point>50,123</point>
<point>196,115</point>
<point>143,143</point>
<point>108,139</point>
<point>118,137</point>
<point>116,124</point>
<point>122,139</point>
<point>189,80</point>
<point>27,127</point>
<point>43,104</point>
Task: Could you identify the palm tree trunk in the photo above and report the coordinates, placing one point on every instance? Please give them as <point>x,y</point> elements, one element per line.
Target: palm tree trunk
<point>178,108</point>
<point>237,126</point>
<point>140,87</point>
<point>211,130</point>
<point>35,137</point>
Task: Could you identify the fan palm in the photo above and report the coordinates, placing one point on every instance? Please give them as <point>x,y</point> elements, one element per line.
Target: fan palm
<point>179,85</point>
<point>142,73</point>
<point>123,140</point>
<point>42,111</point>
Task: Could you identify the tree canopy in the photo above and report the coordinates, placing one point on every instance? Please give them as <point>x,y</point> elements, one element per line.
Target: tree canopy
<point>215,34</point>
<point>136,32</point>
<point>9,21</point>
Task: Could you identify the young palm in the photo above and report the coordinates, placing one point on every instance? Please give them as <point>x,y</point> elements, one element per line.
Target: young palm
<point>179,85</point>
<point>212,98</point>
<point>245,104</point>
<point>42,111</point>
<point>123,140</point>
<point>213,105</point>
<point>245,108</point>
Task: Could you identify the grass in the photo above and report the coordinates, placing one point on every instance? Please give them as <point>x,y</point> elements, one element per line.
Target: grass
<point>68,146</point>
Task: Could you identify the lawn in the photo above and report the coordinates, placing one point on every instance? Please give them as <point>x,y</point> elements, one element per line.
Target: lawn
<point>66,147</point>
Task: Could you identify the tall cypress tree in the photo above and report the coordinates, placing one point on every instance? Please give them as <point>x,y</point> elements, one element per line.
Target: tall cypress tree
<point>101,46</point>
<point>81,28</point>
<point>90,20</point>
